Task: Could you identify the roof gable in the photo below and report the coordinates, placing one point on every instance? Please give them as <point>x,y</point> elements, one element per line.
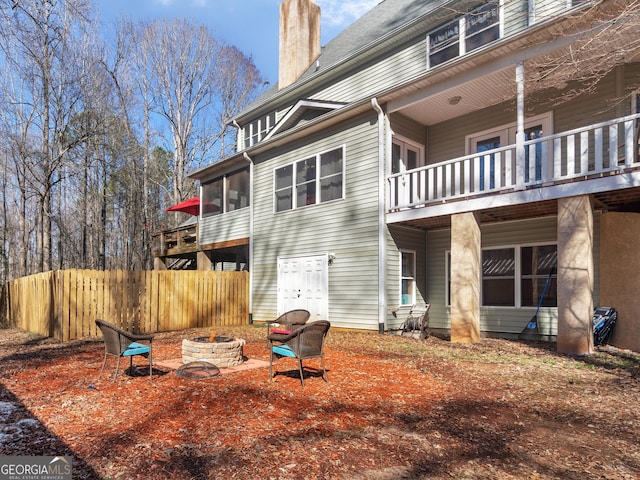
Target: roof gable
<point>304,109</point>
<point>384,19</point>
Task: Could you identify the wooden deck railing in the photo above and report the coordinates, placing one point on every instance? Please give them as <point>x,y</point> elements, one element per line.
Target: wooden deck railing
<point>64,304</point>
<point>175,241</point>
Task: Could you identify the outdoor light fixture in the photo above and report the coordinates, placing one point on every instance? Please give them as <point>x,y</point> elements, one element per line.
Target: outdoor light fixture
<point>332,257</point>
<point>455,100</point>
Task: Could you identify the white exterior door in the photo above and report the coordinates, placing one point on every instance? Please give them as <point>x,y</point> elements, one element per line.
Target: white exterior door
<point>303,282</point>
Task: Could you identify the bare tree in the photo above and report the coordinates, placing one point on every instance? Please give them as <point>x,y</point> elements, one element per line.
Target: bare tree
<point>45,36</point>
<point>195,81</point>
<point>605,36</point>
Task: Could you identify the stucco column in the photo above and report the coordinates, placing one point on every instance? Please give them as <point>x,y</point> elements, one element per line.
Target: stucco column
<point>575,275</point>
<point>466,264</point>
<point>619,279</point>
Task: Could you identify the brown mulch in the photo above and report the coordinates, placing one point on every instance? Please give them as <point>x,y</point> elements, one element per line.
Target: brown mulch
<point>394,408</point>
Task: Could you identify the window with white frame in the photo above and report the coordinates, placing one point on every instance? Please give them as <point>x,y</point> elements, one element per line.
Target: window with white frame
<point>313,180</point>
<point>255,131</point>
<point>538,265</point>
<point>408,277</point>
<point>405,155</point>
<point>498,277</point>
<point>503,135</point>
<point>225,194</point>
<point>516,276</point>
<point>464,34</point>
<point>539,10</point>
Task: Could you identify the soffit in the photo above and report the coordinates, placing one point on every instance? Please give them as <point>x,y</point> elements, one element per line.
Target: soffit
<point>623,200</point>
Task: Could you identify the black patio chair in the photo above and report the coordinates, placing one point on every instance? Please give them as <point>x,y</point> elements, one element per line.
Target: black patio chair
<point>304,343</point>
<point>120,343</point>
<point>285,324</point>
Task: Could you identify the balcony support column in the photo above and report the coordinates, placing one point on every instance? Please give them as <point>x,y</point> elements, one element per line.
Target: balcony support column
<point>520,139</point>
<point>466,265</point>
<point>575,275</point>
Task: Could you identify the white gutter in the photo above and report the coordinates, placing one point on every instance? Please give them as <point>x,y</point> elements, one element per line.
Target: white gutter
<point>382,251</point>
<point>248,159</point>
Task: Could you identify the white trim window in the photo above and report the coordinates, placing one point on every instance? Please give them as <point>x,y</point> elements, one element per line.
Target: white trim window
<point>407,277</point>
<point>313,180</point>
<point>225,194</point>
<point>405,155</point>
<point>257,130</point>
<point>539,10</point>
<point>499,277</point>
<point>464,34</point>
<point>516,276</point>
<point>503,135</point>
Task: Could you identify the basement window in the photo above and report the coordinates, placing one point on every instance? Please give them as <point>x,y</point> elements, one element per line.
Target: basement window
<point>516,276</point>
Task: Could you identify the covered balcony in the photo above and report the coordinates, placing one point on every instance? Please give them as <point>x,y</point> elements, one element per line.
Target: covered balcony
<point>601,159</point>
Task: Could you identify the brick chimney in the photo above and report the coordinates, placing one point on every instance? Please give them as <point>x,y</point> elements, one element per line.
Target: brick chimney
<point>299,39</point>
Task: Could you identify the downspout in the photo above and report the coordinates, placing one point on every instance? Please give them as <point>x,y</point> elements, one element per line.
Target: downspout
<point>248,159</point>
<point>238,133</point>
<point>382,251</point>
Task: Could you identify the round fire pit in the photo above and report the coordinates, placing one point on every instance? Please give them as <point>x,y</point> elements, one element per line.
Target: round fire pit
<point>222,352</point>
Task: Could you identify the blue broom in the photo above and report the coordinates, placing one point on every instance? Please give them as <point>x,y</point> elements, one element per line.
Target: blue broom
<point>532,326</point>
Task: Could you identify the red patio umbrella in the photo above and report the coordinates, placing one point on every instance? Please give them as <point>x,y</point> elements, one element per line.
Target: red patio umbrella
<point>190,206</point>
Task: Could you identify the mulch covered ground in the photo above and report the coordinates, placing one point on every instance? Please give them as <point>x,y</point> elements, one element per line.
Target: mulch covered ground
<point>393,408</point>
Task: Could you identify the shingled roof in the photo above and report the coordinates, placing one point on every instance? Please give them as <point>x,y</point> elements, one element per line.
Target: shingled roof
<point>384,18</point>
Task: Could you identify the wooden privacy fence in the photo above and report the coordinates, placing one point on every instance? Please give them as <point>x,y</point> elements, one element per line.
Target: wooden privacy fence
<point>64,304</point>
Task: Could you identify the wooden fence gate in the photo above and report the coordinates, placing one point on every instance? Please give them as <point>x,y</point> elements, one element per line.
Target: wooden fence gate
<point>64,304</point>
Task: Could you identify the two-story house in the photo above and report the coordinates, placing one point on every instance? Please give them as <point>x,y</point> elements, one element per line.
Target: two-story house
<point>464,154</point>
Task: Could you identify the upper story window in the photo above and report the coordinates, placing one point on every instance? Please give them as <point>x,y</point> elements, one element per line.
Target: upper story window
<point>539,10</point>
<point>226,194</point>
<point>255,131</point>
<point>464,34</point>
<point>313,180</point>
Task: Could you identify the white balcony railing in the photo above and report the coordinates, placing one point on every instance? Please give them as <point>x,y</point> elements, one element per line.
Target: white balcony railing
<point>603,148</point>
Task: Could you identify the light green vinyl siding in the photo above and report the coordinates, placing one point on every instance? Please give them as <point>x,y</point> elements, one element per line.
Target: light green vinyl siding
<point>224,227</point>
<point>398,239</point>
<point>438,242</point>
<point>406,127</point>
<point>446,139</point>
<point>346,227</point>
<point>398,67</point>
<point>494,320</point>
<point>516,16</point>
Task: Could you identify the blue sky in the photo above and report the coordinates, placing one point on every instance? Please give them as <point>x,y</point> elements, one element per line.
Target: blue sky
<point>251,25</point>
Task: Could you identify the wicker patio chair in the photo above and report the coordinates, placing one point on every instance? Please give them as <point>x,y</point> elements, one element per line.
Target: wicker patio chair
<point>120,343</point>
<point>303,343</point>
<point>285,324</point>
